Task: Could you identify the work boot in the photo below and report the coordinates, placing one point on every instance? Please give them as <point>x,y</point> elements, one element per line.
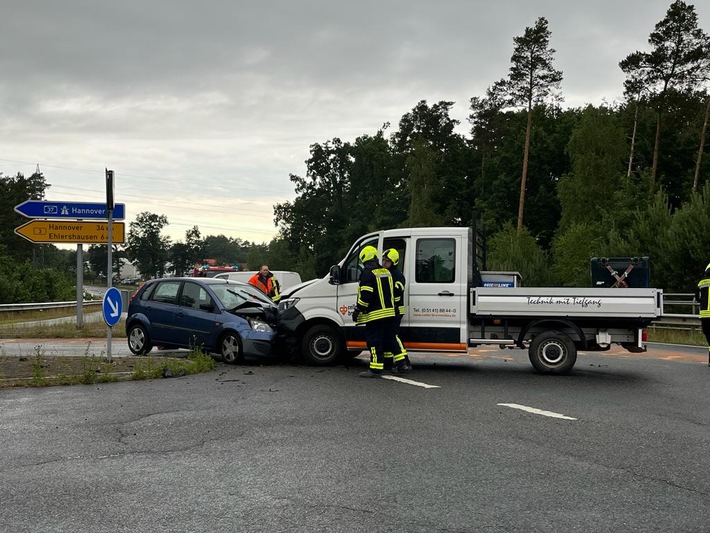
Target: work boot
<point>401,368</point>
<point>370,374</point>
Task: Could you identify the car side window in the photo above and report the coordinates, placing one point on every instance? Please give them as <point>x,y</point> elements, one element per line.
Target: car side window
<point>194,295</point>
<point>352,267</point>
<point>435,260</point>
<point>166,292</point>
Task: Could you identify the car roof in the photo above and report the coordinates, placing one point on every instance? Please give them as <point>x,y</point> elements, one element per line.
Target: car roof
<point>206,281</point>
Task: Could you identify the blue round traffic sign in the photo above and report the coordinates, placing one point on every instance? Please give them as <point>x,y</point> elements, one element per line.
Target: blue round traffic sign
<point>112,307</point>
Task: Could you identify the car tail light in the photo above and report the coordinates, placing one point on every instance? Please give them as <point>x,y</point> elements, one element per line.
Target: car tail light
<point>644,335</point>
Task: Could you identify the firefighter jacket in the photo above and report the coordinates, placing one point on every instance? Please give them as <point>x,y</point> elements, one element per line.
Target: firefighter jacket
<point>375,294</point>
<point>702,296</point>
<point>399,283</point>
<point>268,285</point>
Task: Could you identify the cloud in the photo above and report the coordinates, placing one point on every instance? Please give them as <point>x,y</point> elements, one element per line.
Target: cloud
<point>203,109</point>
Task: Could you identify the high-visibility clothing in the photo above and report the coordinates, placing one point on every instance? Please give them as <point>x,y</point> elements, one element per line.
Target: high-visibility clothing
<point>375,294</point>
<point>399,283</point>
<point>268,286</point>
<point>702,293</point>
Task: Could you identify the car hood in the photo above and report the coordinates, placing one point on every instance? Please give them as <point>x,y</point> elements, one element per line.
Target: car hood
<point>266,312</point>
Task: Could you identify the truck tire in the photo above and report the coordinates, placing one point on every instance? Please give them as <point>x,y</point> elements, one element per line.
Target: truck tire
<point>552,352</point>
<point>322,345</point>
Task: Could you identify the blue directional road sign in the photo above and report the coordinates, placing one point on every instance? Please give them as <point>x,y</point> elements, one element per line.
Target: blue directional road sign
<point>73,210</point>
<point>113,306</point>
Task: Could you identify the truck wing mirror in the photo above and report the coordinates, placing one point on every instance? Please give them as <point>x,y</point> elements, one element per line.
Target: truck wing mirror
<point>335,275</point>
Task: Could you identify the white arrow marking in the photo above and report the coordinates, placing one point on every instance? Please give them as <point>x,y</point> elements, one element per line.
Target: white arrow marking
<point>536,411</point>
<point>114,307</point>
<point>410,382</point>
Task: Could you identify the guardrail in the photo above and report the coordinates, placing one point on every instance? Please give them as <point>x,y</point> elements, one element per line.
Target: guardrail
<point>44,305</point>
<point>678,321</point>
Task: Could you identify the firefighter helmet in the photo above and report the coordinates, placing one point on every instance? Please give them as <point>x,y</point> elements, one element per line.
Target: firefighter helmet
<point>392,255</point>
<point>368,253</point>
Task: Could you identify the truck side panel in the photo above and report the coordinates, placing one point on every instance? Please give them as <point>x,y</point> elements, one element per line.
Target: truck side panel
<point>562,302</point>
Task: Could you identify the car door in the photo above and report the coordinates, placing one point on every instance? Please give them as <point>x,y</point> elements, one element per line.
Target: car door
<point>160,311</point>
<point>195,322</point>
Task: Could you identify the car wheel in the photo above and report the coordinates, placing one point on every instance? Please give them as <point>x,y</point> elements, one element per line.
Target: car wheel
<point>552,352</point>
<point>138,340</point>
<point>322,345</point>
<point>230,349</point>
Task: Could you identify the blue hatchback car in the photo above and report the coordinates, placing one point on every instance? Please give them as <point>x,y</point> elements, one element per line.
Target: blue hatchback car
<point>229,318</point>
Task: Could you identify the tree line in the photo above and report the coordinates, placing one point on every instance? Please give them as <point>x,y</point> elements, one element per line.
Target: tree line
<point>552,187</point>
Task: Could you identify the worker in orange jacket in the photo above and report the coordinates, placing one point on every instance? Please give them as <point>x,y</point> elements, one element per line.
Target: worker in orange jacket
<point>265,281</point>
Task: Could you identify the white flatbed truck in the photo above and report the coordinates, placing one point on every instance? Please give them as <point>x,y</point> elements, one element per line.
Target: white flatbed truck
<point>448,312</point>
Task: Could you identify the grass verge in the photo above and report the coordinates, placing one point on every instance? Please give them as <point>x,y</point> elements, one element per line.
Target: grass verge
<point>62,330</point>
<point>41,370</point>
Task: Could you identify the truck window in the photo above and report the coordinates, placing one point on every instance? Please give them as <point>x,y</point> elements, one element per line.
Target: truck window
<point>398,244</point>
<point>352,268</point>
<point>435,260</point>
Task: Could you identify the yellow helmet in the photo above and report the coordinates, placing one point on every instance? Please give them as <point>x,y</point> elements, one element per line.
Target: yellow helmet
<point>392,255</point>
<point>368,253</point>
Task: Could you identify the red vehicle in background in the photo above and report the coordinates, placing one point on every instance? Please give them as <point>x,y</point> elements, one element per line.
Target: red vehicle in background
<point>207,271</point>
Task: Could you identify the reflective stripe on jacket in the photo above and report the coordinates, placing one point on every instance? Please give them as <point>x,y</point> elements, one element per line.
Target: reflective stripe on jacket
<point>375,294</point>
<point>703,287</point>
<point>399,283</point>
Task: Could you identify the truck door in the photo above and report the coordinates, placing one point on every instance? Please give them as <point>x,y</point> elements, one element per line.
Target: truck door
<point>436,284</point>
<point>346,297</point>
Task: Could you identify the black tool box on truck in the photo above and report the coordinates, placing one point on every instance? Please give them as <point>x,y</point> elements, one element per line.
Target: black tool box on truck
<point>621,272</point>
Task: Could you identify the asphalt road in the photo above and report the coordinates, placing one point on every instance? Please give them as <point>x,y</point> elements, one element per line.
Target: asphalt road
<point>466,443</point>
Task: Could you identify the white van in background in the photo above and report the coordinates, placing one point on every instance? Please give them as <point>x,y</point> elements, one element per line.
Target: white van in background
<point>286,278</point>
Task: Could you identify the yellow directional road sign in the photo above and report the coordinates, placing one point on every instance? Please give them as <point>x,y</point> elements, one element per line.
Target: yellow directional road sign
<point>71,231</point>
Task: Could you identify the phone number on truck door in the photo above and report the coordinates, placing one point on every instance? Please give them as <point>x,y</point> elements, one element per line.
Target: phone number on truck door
<point>434,311</point>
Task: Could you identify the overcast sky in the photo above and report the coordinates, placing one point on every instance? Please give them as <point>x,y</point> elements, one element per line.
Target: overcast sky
<point>204,108</point>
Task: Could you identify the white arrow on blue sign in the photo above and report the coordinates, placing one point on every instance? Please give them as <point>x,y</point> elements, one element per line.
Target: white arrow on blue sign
<point>112,306</point>
<point>73,210</point>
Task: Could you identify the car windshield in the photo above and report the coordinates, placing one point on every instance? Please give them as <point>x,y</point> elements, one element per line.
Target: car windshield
<point>232,295</point>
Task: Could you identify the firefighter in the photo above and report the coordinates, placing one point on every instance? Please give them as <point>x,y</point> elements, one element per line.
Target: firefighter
<point>390,260</point>
<point>702,297</point>
<point>375,309</point>
<point>265,281</point>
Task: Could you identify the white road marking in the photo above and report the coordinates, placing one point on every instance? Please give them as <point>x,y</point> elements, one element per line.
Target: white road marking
<point>536,411</point>
<point>411,382</point>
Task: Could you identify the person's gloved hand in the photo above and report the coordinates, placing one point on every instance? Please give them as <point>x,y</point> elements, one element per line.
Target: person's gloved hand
<point>356,314</point>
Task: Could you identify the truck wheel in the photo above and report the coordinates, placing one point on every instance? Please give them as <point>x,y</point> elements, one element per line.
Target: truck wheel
<point>322,345</point>
<point>552,352</point>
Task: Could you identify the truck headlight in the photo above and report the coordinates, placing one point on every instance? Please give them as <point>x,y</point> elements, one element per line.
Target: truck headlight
<point>287,303</point>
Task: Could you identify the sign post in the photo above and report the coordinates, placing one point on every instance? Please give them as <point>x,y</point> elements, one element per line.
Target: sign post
<point>112,308</point>
<point>109,268</point>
